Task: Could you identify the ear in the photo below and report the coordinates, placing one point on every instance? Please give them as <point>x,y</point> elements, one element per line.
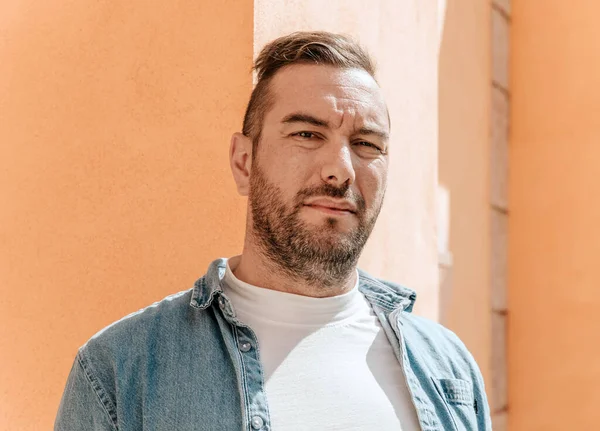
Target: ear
<point>240,159</point>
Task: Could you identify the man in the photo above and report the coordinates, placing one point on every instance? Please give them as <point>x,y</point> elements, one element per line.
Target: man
<point>289,335</point>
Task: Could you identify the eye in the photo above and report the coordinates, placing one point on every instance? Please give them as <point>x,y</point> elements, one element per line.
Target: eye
<point>304,135</point>
<point>368,146</point>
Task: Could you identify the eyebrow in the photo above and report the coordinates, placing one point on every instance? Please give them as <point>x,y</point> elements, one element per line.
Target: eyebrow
<point>379,133</point>
<point>309,119</point>
<point>305,118</point>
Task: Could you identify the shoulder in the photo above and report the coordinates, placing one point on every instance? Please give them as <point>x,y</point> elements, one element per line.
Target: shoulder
<point>430,330</point>
<point>424,337</point>
<point>138,328</point>
<point>417,330</point>
<point>118,350</point>
<point>442,345</point>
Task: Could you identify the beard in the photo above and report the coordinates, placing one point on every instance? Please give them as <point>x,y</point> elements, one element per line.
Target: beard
<point>316,254</point>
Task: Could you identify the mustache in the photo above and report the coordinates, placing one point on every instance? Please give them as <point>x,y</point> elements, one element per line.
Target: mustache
<point>328,190</point>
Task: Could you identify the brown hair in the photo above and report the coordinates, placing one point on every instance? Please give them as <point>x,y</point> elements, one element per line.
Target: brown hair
<point>317,47</point>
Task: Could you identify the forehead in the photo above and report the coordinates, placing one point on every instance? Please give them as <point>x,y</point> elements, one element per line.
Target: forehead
<point>330,93</point>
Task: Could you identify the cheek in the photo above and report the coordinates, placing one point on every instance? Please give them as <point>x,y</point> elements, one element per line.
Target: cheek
<point>372,181</point>
<point>292,171</point>
<point>283,159</point>
<point>287,178</point>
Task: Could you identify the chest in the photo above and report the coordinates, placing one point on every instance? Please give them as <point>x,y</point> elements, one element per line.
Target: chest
<point>342,376</point>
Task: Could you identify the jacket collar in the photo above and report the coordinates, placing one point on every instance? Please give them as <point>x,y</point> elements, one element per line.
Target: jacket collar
<point>385,294</point>
<point>209,285</point>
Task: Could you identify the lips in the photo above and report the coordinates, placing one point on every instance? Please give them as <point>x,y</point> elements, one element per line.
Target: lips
<point>336,206</point>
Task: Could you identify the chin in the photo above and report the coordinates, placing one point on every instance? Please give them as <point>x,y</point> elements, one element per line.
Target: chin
<point>324,221</point>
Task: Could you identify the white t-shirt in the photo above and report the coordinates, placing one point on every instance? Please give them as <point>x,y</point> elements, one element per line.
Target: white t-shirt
<point>327,362</point>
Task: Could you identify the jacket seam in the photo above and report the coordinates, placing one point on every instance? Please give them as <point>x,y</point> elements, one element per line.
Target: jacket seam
<point>99,391</point>
<point>245,395</point>
<point>442,396</point>
<point>382,303</point>
<point>457,391</point>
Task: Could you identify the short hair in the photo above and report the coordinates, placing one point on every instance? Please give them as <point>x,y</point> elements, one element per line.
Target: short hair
<point>315,47</point>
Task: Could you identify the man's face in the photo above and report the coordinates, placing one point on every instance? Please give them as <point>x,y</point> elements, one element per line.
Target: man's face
<point>319,173</point>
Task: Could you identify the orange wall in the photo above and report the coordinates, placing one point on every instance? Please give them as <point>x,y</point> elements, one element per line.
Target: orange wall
<point>115,188</point>
<point>554,243</point>
<point>464,160</point>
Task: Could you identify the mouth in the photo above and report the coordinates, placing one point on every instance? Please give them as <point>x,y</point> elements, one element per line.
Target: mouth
<point>330,210</point>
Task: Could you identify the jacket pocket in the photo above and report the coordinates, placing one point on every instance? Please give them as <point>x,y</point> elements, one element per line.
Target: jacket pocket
<point>457,395</point>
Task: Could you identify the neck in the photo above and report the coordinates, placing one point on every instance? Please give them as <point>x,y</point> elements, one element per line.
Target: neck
<point>257,269</point>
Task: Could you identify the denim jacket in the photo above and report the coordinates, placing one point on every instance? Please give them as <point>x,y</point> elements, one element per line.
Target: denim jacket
<point>185,363</point>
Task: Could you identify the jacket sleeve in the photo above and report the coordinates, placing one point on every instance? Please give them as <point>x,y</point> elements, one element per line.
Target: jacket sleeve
<point>81,406</point>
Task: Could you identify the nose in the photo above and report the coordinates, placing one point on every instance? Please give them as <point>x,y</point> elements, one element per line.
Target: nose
<point>337,167</point>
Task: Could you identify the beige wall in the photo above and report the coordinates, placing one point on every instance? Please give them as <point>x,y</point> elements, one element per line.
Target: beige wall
<point>114,181</point>
<point>554,244</point>
<point>402,36</point>
<point>464,160</point>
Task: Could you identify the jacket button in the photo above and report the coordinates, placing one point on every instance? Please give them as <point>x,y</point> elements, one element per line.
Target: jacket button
<point>257,422</point>
<point>245,347</point>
